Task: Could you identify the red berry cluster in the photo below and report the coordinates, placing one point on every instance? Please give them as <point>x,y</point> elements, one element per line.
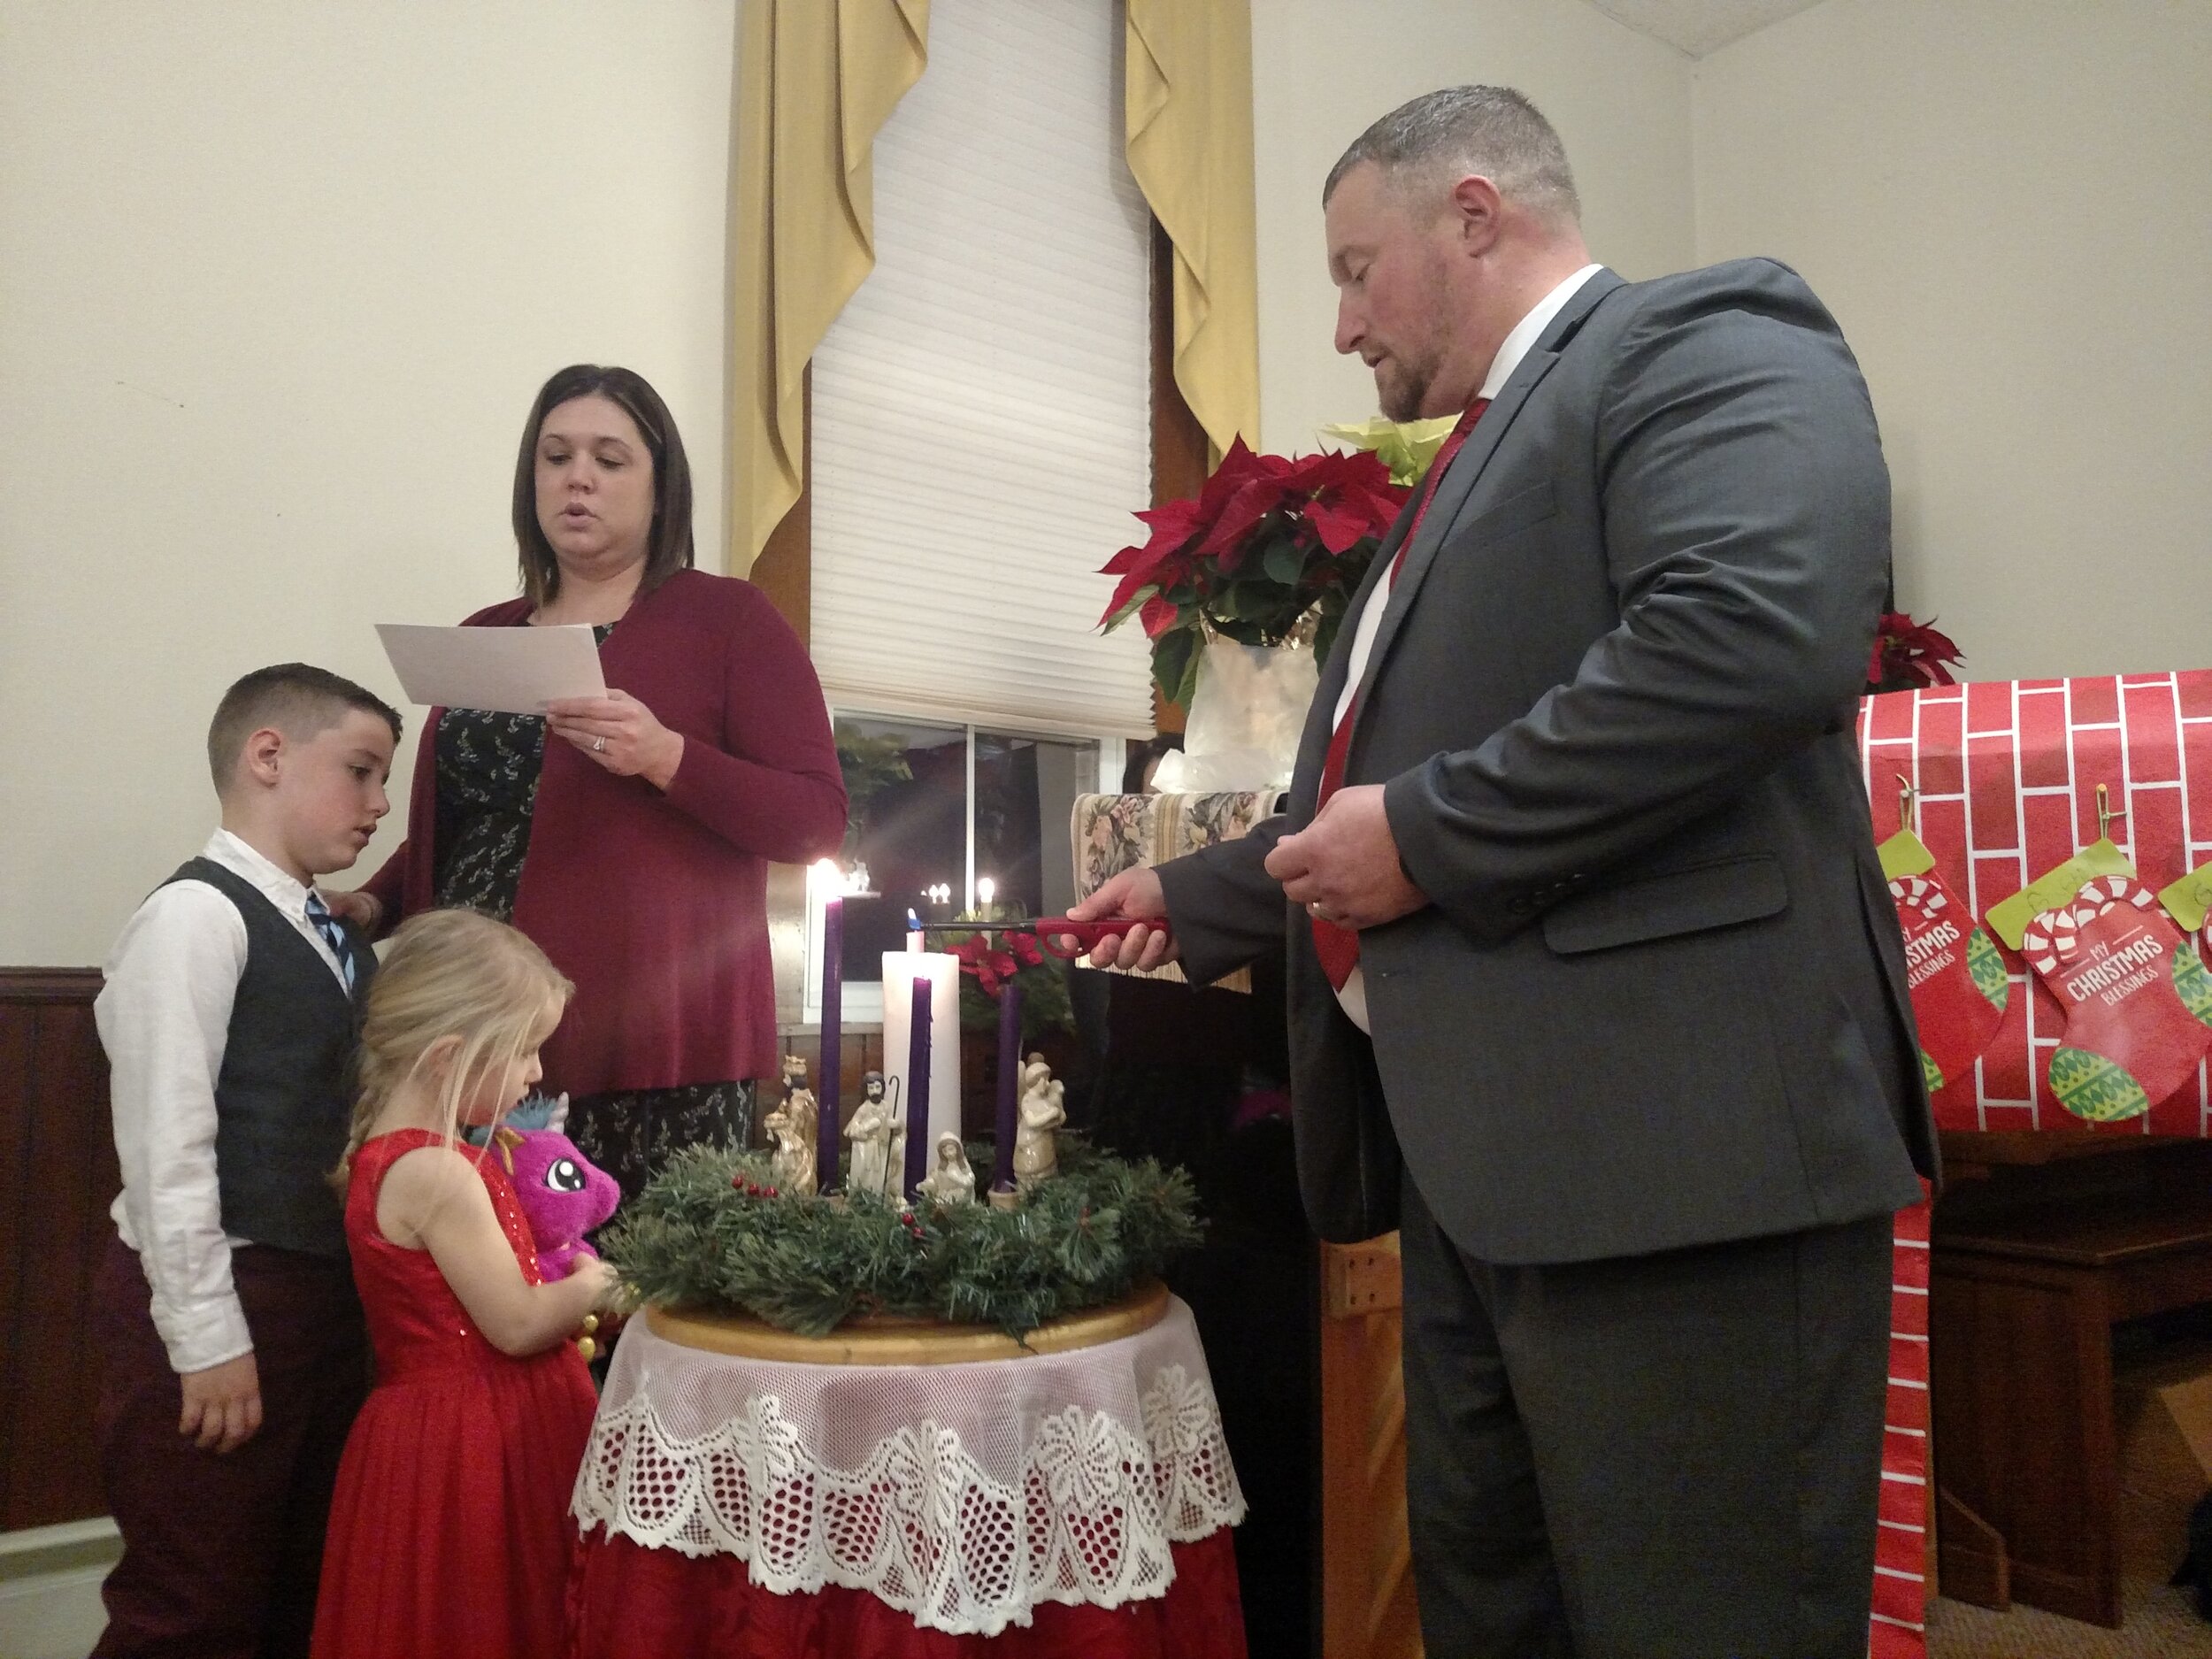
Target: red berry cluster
<point>751,1189</point>
<point>913,1227</point>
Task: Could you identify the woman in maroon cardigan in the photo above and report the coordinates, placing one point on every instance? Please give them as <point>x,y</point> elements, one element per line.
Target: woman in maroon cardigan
<point>635,847</point>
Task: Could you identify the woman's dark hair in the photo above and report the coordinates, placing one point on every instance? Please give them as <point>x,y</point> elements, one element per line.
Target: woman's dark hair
<point>668,544</point>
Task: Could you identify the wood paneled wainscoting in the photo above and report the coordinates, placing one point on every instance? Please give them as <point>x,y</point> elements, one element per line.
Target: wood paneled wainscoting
<point>1367,1604</point>
<point>57,1177</point>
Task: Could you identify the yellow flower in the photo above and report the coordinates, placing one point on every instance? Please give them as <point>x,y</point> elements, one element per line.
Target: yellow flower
<point>1406,447</point>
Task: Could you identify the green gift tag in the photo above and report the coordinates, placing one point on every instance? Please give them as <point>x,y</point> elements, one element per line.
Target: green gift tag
<point>1904,854</point>
<point>2187,900</point>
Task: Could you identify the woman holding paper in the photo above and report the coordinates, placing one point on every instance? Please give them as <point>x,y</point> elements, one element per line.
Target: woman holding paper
<point>633,847</point>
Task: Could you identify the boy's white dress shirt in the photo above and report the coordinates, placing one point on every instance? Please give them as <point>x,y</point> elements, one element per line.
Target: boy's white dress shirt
<point>165,1018</point>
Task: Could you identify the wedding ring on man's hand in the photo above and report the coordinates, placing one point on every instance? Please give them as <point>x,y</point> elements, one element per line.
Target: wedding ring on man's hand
<point>598,745</point>
<point>1319,911</point>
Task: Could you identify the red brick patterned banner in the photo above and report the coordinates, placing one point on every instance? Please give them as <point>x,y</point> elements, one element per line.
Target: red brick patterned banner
<point>2006,773</point>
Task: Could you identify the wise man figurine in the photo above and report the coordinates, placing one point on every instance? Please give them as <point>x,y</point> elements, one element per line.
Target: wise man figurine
<point>1036,1157</point>
<point>952,1181</point>
<point>799,1104</point>
<point>870,1132</point>
<point>791,1166</point>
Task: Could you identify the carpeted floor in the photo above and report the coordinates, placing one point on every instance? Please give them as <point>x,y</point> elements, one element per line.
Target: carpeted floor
<point>2157,1623</point>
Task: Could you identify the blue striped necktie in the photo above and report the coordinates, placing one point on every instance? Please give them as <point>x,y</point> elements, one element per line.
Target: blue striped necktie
<point>334,935</point>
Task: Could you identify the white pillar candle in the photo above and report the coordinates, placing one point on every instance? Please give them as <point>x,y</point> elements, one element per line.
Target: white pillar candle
<point>901,968</point>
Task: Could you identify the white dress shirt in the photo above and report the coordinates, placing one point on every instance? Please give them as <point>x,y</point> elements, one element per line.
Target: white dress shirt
<point>1511,349</point>
<point>164,1017</point>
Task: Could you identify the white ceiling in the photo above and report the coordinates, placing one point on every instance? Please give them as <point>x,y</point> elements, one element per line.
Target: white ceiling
<point>1699,27</point>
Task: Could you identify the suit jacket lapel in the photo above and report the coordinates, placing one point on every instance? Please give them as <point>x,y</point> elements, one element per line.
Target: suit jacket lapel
<point>1467,468</point>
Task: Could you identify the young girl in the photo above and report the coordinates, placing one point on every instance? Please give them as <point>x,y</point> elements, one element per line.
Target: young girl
<point>449,1532</point>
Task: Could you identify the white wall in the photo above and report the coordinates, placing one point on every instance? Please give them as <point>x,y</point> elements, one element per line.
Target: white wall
<point>2003,202</point>
<point>277,284</point>
<point>1322,69</point>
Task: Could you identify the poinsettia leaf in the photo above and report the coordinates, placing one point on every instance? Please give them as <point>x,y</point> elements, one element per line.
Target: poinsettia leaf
<point>1285,563</point>
<point>1252,503</point>
<point>1174,519</point>
<point>1238,467</point>
<point>1187,680</point>
<point>1340,523</point>
<point>1939,646</point>
<point>1324,631</point>
<point>1160,614</point>
<point>1253,600</point>
<point>1174,655</point>
<point>1125,603</point>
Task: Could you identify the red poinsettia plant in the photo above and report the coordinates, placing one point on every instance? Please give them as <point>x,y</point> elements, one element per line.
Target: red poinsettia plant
<point>1909,654</point>
<point>990,962</point>
<point>1272,546</point>
<point>992,959</point>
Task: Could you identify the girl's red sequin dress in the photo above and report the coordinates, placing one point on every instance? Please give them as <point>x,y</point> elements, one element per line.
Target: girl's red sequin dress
<point>449,1532</point>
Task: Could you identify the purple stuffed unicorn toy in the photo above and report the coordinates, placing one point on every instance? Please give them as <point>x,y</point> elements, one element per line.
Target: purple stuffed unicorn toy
<point>563,1194</point>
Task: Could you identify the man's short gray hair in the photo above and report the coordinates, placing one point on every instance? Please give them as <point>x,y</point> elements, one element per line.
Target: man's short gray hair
<point>1441,137</point>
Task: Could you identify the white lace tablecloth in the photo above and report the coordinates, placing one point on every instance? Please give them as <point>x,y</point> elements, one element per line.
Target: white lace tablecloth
<point>964,1494</point>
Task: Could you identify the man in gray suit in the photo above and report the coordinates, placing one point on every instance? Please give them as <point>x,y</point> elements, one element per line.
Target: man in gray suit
<point>1596,988</point>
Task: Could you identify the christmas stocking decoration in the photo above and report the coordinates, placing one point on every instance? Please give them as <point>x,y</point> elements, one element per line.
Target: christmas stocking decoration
<point>2137,1002</point>
<point>1954,974</point>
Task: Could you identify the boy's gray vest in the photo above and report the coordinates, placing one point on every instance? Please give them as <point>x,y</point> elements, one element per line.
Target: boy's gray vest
<point>282,1102</point>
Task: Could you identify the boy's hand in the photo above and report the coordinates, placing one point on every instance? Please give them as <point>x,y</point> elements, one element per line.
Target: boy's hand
<point>222,1404</point>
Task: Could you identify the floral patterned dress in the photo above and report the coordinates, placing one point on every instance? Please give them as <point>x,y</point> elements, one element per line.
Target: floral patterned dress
<point>488,783</point>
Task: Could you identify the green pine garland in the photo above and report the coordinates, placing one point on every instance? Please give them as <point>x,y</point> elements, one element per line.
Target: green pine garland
<point>709,1233</point>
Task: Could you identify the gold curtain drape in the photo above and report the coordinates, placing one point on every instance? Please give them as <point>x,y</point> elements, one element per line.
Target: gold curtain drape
<point>816,81</point>
<point>1188,115</point>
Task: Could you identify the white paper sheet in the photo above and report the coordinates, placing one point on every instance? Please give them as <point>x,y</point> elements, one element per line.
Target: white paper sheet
<point>518,670</point>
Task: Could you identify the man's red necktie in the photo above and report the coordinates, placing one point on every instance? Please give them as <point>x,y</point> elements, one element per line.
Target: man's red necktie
<point>1339,947</point>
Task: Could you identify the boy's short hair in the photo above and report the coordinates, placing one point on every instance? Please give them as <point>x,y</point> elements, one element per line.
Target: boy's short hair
<point>298,699</point>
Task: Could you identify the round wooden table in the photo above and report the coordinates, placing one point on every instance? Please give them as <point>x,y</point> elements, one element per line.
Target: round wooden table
<point>902,1487</point>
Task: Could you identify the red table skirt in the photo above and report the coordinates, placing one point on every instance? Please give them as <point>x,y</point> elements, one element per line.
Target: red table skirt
<point>631,1602</point>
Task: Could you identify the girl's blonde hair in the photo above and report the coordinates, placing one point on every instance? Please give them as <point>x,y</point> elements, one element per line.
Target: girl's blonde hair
<point>451,974</point>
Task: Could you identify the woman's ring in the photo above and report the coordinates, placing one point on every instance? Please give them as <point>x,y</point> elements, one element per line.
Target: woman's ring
<point>598,745</point>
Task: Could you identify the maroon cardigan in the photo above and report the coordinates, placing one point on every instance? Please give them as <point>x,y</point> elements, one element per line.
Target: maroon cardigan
<point>656,903</point>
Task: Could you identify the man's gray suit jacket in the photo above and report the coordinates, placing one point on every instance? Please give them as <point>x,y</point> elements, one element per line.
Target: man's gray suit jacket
<point>1658,997</point>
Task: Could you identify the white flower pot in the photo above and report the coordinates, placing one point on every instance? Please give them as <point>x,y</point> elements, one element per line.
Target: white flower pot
<point>1246,715</point>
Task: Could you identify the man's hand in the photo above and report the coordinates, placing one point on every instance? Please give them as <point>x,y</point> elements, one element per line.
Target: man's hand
<point>222,1404</point>
<point>1135,894</point>
<point>1343,867</point>
<point>363,910</point>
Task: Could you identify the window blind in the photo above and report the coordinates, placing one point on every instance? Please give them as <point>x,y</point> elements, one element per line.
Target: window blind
<point>981,425</point>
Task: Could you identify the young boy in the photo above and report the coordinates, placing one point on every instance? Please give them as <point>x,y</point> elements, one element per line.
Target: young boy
<point>234,1355</point>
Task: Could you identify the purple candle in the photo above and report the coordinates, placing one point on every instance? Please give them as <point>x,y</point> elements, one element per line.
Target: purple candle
<point>918,1151</point>
<point>1010,1086</point>
<point>826,1123</point>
